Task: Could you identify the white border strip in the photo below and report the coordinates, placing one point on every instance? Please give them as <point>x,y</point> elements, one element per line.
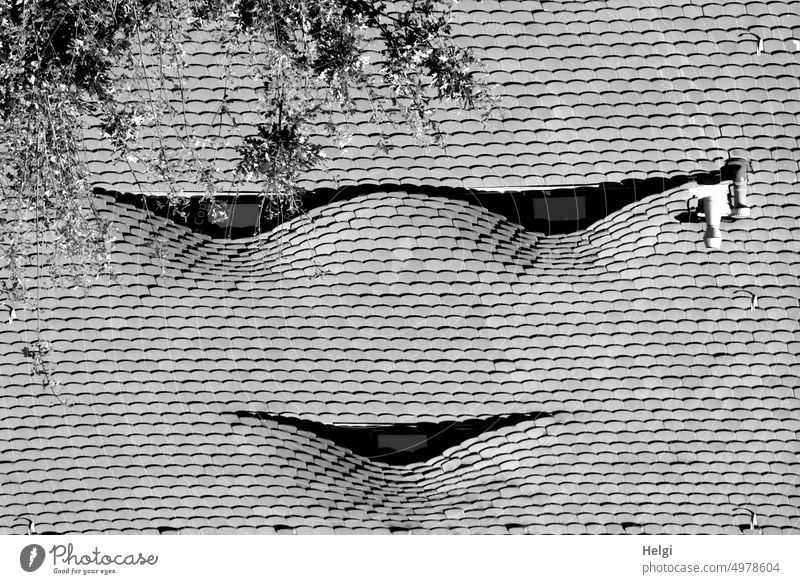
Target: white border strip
<point>406,560</point>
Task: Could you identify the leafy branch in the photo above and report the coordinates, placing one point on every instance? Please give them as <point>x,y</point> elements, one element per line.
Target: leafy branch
<point>70,65</point>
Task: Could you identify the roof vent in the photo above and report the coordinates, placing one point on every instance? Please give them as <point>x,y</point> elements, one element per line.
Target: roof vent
<point>727,198</point>
<point>713,204</point>
<point>735,170</point>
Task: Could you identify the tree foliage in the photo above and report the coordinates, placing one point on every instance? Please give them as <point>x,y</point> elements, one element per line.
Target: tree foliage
<point>63,62</point>
<point>118,64</point>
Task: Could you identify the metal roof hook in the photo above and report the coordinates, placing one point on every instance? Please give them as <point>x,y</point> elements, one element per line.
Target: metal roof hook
<point>12,312</point>
<point>692,212</point>
<point>759,41</point>
<point>752,296</point>
<point>754,528</point>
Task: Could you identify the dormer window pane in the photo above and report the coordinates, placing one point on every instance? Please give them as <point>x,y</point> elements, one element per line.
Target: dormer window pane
<point>560,208</point>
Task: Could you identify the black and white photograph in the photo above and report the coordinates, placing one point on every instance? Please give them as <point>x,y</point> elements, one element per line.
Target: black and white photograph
<point>426,267</point>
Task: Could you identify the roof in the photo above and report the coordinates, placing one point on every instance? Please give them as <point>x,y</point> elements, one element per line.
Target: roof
<point>591,92</point>
<point>648,385</point>
<point>659,401</point>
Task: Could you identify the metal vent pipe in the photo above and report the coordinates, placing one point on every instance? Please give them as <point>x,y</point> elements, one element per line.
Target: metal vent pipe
<point>736,170</point>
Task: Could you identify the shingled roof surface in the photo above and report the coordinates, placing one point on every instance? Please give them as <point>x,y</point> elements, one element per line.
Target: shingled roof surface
<point>658,399</point>
<point>656,381</point>
<point>591,92</point>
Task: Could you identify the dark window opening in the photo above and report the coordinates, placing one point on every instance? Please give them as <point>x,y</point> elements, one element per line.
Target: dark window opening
<point>399,444</point>
<point>553,211</point>
<point>562,210</point>
<point>246,215</point>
